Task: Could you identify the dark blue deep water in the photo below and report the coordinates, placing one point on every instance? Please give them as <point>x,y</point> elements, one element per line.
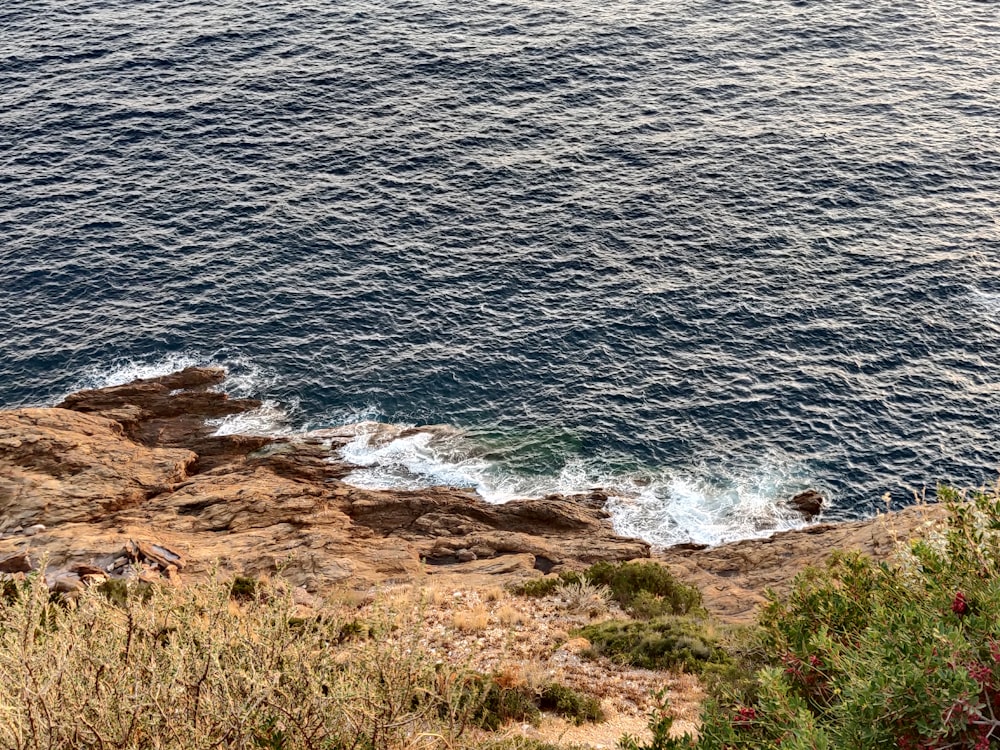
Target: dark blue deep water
<point>701,253</point>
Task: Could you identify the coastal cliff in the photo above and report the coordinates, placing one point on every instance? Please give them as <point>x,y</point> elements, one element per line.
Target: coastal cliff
<point>131,477</point>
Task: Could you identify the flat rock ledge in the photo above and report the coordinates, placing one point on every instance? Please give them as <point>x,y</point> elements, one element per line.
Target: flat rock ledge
<point>130,481</point>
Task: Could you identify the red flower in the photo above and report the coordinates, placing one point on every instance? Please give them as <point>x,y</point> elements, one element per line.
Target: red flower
<point>744,715</point>
<point>980,672</point>
<point>959,606</point>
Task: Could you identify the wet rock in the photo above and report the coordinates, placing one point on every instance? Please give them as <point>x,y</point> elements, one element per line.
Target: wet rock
<point>808,503</point>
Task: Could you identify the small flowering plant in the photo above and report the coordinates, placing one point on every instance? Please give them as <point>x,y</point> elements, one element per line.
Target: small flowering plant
<point>877,655</point>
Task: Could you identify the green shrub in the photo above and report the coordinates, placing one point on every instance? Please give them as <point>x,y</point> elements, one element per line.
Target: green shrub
<point>494,700</point>
<point>645,589</point>
<point>243,588</point>
<point>870,655</point>
<point>564,701</point>
<point>497,703</point>
<point>669,643</point>
<point>537,588</point>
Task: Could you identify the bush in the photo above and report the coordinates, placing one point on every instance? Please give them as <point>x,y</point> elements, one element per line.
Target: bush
<point>670,643</point>
<point>496,702</point>
<point>135,665</point>
<point>645,589</point>
<point>497,699</point>
<point>565,701</point>
<point>537,588</point>
<point>868,655</point>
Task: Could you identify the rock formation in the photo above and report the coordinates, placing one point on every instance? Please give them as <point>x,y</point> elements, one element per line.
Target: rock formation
<point>130,480</point>
<point>131,477</point>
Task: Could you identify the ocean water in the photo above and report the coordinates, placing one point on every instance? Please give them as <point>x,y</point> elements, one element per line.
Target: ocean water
<point>703,254</point>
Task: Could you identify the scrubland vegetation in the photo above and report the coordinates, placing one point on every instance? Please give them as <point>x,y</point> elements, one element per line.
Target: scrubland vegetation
<point>860,654</point>
<point>233,665</point>
<point>864,654</point>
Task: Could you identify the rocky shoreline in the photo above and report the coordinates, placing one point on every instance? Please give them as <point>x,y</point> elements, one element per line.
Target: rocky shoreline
<point>129,480</point>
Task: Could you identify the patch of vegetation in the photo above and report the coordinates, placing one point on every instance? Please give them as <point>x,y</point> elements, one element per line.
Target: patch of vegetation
<point>243,588</point>
<point>643,589</point>
<point>525,743</point>
<point>118,590</point>
<point>661,722</point>
<point>566,702</point>
<point>668,643</point>
<point>496,700</point>
<point>537,588</point>
<point>869,654</point>
<point>183,669</point>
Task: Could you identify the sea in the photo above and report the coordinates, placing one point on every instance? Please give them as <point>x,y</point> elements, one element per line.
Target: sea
<point>702,254</point>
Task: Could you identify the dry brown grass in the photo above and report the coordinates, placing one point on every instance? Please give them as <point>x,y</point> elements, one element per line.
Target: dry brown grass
<point>493,594</point>
<point>189,669</point>
<point>509,616</point>
<point>476,618</point>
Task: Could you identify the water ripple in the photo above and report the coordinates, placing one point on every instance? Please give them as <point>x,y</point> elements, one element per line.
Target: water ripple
<point>731,248</point>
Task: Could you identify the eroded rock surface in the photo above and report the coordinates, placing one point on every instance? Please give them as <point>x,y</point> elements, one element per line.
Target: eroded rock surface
<point>115,470</point>
<point>733,577</point>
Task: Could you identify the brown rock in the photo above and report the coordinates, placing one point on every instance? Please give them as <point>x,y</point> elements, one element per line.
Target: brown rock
<point>19,562</point>
<point>66,583</point>
<point>808,503</point>
<point>137,462</point>
<point>733,577</point>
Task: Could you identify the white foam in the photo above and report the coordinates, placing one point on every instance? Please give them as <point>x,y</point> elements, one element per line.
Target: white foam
<point>403,457</point>
<point>692,508</point>
<point>123,371</point>
<point>270,418</point>
<point>244,378</point>
<point>665,508</point>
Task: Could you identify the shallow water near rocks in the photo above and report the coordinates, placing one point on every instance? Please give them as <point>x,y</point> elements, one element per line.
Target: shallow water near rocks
<point>701,254</point>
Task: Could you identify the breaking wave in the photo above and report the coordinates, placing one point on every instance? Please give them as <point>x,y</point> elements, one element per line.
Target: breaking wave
<point>663,507</point>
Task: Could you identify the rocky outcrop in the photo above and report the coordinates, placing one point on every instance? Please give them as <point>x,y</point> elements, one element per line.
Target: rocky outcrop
<point>131,480</point>
<point>808,503</point>
<point>132,476</point>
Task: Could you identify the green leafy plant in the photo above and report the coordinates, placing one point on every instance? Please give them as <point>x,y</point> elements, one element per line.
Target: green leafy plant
<point>575,706</point>
<point>645,589</point>
<point>868,655</point>
<point>669,643</point>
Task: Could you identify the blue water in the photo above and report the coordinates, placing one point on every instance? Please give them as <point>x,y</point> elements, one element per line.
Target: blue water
<point>701,253</point>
